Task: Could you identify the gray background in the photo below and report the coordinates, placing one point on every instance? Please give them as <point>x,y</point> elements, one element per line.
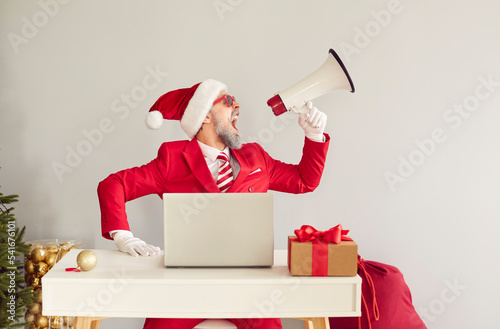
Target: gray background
<point>70,69</point>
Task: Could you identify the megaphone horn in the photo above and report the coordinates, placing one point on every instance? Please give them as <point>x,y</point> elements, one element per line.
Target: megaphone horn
<point>332,75</point>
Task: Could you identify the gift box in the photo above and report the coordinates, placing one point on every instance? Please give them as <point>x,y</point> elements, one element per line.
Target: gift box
<point>322,253</point>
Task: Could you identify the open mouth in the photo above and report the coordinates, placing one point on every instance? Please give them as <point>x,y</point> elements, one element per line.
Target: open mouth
<point>234,119</point>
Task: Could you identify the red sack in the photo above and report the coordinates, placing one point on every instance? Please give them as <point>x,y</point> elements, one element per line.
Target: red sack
<point>385,300</point>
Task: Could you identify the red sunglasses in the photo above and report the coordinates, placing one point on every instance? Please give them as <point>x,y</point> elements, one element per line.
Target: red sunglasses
<point>228,98</point>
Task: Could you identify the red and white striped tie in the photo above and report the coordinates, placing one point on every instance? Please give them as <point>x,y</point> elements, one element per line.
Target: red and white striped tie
<point>225,175</point>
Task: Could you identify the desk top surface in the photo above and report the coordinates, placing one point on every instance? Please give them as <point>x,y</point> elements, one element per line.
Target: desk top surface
<point>125,286</point>
<point>113,263</point>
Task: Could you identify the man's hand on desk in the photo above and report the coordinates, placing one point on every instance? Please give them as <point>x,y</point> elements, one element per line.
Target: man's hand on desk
<point>126,242</point>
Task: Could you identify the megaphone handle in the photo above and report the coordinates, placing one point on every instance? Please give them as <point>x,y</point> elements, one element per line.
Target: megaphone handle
<point>300,110</point>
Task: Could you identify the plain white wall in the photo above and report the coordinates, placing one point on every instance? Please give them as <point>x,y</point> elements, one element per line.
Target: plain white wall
<point>412,169</point>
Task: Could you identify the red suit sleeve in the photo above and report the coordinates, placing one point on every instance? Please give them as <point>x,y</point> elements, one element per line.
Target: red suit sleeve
<point>129,184</point>
<point>304,177</point>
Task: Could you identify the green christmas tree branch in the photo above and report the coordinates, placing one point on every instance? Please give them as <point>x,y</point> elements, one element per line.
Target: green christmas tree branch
<point>15,295</point>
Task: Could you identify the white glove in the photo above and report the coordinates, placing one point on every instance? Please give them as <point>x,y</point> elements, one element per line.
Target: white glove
<point>313,123</point>
<point>126,242</point>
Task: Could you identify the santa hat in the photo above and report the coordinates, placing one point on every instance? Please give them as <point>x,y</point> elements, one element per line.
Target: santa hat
<point>189,105</point>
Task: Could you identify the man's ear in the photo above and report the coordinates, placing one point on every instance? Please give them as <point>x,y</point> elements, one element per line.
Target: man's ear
<point>208,118</point>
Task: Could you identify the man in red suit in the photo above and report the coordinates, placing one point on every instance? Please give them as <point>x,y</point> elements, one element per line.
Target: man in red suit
<point>208,115</point>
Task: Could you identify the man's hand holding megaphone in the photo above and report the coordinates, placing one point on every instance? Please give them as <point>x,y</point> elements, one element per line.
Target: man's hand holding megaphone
<point>313,123</point>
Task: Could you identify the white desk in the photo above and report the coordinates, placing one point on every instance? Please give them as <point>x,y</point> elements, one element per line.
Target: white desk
<point>125,286</point>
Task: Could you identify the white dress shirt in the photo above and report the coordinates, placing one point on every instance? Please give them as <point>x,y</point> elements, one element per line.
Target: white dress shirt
<point>211,153</point>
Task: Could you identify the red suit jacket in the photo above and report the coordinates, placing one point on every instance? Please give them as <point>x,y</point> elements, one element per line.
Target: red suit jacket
<point>180,167</point>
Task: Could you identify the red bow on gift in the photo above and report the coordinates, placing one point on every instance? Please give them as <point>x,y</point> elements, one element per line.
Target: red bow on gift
<point>333,235</point>
<point>320,240</point>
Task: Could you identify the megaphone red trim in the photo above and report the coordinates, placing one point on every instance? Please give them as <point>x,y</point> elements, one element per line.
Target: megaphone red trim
<point>276,104</point>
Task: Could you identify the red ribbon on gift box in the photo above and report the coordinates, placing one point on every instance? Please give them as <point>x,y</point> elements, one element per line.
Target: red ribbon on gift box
<point>320,240</point>
<point>334,235</point>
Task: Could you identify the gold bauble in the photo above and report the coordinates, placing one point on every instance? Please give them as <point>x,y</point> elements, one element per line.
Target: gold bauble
<point>51,259</point>
<point>29,317</point>
<point>35,281</point>
<point>52,248</point>
<point>63,253</point>
<point>28,278</point>
<point>42,321</point>
<point>32,326</point>
<point>86,260</point>
<point>41,269</point>
<point>29,267</point>
<point>38,295</point>
<point>38,255</point>
<point>56,322</point>
<point>36,308</point>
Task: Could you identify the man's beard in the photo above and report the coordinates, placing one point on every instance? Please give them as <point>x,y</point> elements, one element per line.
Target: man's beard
<point>226,135</point>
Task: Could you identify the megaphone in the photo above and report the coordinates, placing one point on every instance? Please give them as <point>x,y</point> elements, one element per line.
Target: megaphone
<point>332,75</point>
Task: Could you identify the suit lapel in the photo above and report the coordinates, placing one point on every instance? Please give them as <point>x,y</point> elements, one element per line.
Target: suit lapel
<point>198,165</point>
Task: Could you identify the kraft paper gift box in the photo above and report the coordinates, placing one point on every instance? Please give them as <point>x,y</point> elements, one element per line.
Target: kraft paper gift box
<point>322,253</point>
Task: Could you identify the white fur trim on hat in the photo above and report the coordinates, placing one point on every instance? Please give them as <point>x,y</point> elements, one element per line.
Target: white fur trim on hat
<point>199,106</point>
<point>154,120</point>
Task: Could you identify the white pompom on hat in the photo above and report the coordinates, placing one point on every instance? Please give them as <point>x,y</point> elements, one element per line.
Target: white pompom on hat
<point>189,105</point>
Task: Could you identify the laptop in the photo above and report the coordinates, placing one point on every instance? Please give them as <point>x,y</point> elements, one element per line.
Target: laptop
<point>218,229</point>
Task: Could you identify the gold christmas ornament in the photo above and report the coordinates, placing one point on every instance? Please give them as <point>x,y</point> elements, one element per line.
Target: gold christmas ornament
<point>38,254</point>
<point>41,269</point>
<point>29,317</point>
<point>86,260</point>
<point>43,255</point>
<point>38,295</point>
<point>56,322</point>
<point>29,267</point>
<point>36,308</point>
<point>52,248</point>
<point>51,259</point>
<point>34,281</point>
<point>42,321</point>
<point>64,252</point>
